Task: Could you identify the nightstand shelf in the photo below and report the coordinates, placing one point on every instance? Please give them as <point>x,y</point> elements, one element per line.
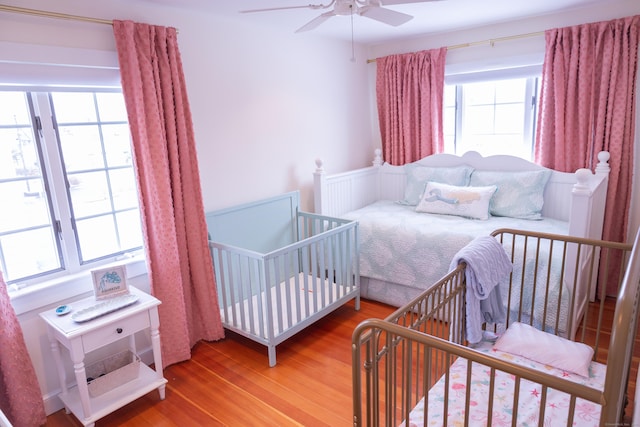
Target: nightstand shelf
<point>110,401</point>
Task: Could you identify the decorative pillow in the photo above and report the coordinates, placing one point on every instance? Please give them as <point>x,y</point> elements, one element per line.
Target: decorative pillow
<point>469,202</point>
<point>418,176</point>
<point>519,194</point>
<point>526,341</point>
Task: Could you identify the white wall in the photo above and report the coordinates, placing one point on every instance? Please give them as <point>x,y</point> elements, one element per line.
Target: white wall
<point>265,105</point>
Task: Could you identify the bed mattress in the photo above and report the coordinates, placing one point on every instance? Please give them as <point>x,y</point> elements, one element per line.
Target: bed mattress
<point>400,245</point>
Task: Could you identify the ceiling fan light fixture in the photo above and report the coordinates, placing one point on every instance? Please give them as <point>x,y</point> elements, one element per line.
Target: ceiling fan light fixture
<point>345,8</point>
<point>372,9</point>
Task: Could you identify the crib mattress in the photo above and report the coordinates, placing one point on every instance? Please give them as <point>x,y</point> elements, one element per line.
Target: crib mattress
<point>292,301</point>
<point>557,403</point>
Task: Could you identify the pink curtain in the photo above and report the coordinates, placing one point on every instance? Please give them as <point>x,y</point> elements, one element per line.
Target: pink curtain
<point>176,242</point>
<point>587,105</point>
<point>20,395</point>
<point>409,91</point>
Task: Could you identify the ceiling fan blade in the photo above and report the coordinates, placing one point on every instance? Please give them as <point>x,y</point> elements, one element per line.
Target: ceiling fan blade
<point>316,21</point>
<point>387,16</point>
<point>269,9</point>
<point>392,2</point>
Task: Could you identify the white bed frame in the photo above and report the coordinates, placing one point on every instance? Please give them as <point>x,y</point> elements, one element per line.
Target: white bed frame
<point>577,198</point>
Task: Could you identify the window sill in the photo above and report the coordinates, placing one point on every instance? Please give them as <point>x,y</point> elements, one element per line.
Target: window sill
<point>62,289</point>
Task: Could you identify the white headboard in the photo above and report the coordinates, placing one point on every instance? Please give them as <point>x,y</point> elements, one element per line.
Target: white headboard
<point>578,198</point>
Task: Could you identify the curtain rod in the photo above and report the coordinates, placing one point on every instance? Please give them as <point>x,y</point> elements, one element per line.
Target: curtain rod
<point>489,42</point>
<point>46,14</point>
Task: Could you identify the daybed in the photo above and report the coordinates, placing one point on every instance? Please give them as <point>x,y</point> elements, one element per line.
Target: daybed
<point>278,269</point>
<point>403,251</point>
<point>415,367</point>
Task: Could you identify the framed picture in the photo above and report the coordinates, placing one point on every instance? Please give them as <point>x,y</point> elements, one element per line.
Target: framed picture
<point>109,282</point>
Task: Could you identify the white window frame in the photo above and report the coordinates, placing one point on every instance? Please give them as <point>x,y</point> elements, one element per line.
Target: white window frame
<point>46,68</point>
<point>531,72</point>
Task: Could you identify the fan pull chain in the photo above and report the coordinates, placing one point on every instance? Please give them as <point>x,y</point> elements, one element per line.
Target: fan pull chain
<point>353,50</point>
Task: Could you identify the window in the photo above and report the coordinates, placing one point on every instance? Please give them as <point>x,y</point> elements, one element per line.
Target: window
<point>67,183</point>
<point>491,117</point>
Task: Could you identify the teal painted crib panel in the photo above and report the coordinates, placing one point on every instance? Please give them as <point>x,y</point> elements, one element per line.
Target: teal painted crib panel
<point>261,226</point>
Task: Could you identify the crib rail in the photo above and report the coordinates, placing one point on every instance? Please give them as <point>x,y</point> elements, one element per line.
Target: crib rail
<point>387,380</point>
<point>268,297</point>
<point>583,266</point>
<point>403,364</point>
<point>396,361</point>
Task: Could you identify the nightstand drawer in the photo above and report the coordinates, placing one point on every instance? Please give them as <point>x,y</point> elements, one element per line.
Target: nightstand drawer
<point>117,330</point>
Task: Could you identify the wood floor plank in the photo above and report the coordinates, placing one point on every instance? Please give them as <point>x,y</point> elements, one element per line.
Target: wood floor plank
<point>261,383</point>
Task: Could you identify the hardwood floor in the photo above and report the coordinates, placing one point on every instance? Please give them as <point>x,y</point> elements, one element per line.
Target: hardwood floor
<point>229,383</point>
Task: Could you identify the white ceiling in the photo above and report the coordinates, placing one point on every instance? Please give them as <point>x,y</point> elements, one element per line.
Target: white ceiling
<point>429,17</point>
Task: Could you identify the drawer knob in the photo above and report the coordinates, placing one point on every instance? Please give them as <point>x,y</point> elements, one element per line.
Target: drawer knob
<point>119,330</point>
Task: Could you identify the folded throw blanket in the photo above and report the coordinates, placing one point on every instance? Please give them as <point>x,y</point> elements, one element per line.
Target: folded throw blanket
<point>487,264</point>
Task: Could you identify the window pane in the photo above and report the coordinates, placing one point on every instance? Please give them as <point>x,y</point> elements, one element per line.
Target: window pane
<point>449,96</point>
<point>74,107</point>
<point>97,237</point>
<point>18,153</point>
<point>81,147</point>
<point>117,145</point>
<point>510,118</point>
<point>25,206</point>
<point>28,241</point>
<point>510,90</point>
<point>479,93</point>
<point>130,229</point>
<point>111,107</point>
<point>123,189</point>
<point>89,194</point>
<point>478,120</point>
<point>29,253</point>
<point>449,121</point>
<point>13,109</point>
<point>101,235</point>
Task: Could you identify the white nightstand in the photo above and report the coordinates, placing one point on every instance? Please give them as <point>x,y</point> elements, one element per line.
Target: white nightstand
<point>82,338</point>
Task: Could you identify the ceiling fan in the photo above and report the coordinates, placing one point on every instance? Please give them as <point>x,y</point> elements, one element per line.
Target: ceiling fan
<point>368,8</point>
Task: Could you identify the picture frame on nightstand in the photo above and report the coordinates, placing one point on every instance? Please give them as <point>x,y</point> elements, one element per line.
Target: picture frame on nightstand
<point>110,282</point>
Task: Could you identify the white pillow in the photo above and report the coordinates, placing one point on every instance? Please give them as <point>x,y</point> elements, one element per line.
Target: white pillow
<point>418,176</point>
<point>526,341</point>
<point>468,202</point>
<point>519,194</point>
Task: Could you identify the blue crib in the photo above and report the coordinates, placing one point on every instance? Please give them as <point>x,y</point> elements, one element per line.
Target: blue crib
<point>278,269</point>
